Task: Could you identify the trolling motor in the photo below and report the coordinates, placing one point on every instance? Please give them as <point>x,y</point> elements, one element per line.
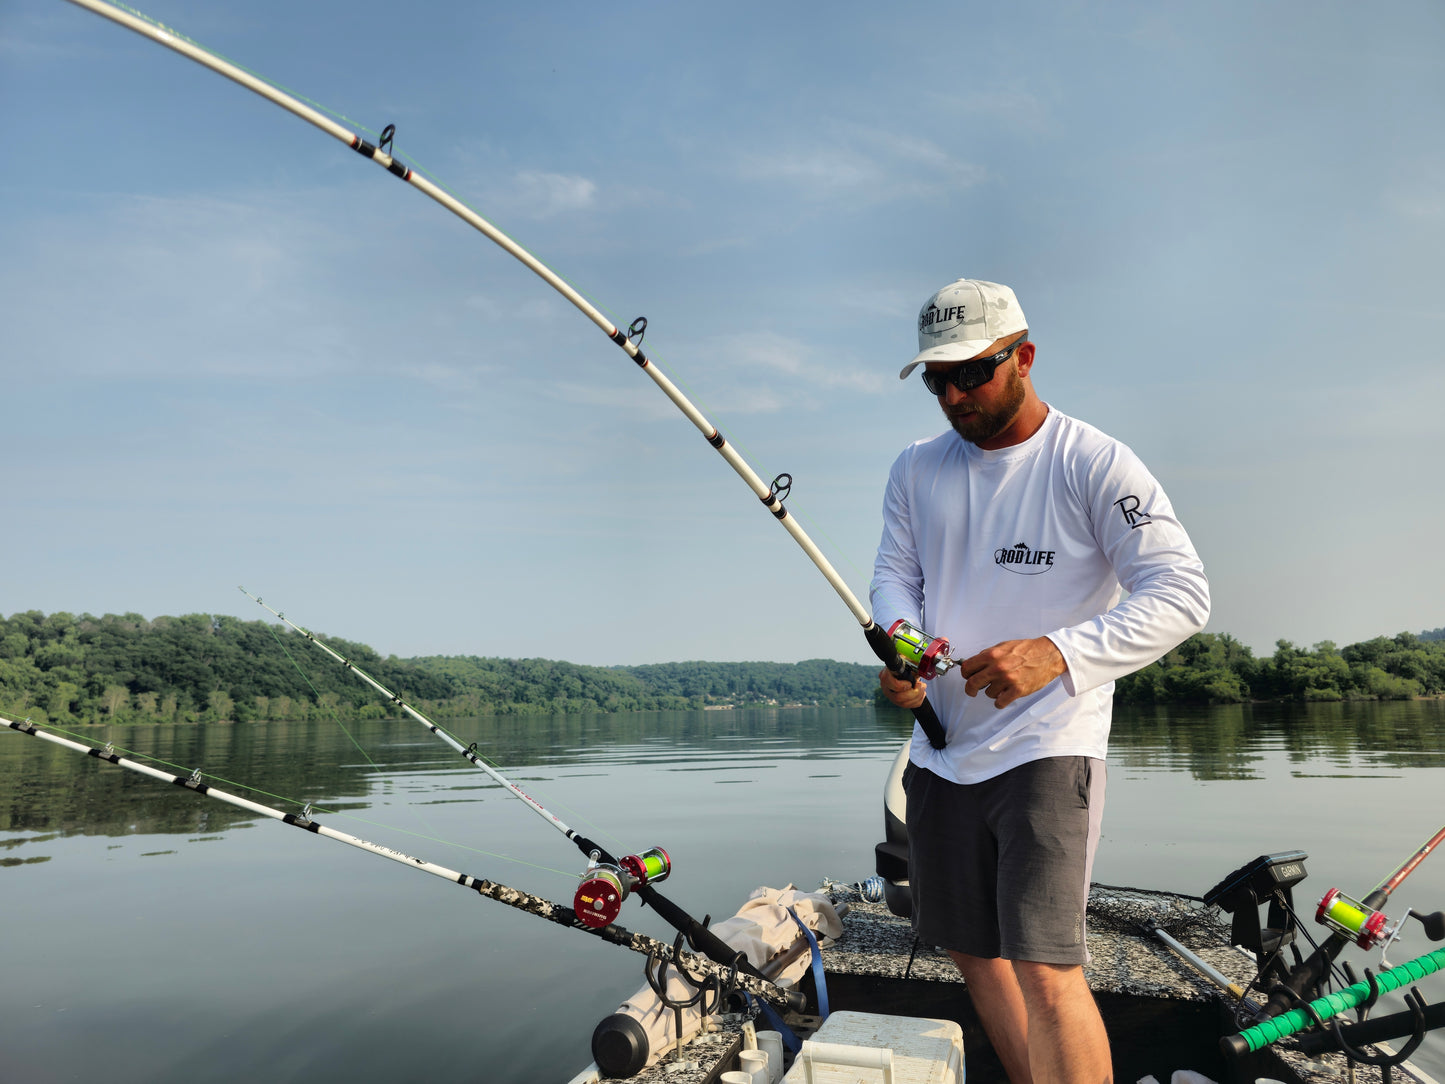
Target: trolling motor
<point>926,654</point>
<point>605,886</point>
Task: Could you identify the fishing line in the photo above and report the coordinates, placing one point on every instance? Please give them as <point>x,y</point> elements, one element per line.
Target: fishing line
<point>471,752</point>
<point>431,833</point>
<point>438,728</point>
<point>317,693</point>
<point>629,341</point>
<point>174,33</point>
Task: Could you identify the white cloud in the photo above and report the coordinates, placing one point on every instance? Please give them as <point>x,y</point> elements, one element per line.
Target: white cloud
<point>1000,108</point>
<point>531,194</point>
<point>727,378</point>
<point>637,400</point>
<point>1416,194</point>
<point>857,161</point>
<point>175,285</point>
<point>551,194</point>
<point>732,376</point>
<point>534,308</point>
<point>794,358</point>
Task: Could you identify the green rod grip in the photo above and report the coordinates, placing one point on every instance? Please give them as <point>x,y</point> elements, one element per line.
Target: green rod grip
<point>1286,1024</point>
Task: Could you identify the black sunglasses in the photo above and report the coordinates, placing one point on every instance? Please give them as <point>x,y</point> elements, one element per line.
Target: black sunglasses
<point>968,374</point>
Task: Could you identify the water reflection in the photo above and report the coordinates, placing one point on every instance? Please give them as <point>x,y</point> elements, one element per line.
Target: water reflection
<point>50,791</point>
<point>739,798</point>
<point>1230,741</point>
<point>53,790</point>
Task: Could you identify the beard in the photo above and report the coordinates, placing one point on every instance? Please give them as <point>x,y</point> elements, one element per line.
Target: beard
<point>976,425</point>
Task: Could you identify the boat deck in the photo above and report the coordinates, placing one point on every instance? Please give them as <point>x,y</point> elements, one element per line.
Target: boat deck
<point>1161,1014</point>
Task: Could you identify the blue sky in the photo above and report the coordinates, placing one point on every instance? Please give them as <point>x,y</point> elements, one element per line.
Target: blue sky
<point>238,354</point>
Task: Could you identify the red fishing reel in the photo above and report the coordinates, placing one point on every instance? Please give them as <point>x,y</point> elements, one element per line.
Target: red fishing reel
<point>604,886</point>
<point>1363,925</point>
<point>926,654</point>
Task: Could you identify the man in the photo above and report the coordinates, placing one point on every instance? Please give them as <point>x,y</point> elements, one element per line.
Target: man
<point>1015,535</point>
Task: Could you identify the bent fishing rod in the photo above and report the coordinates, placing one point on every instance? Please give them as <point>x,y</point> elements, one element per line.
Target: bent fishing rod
<point>607,881</point>
<point>907,652</point>
<point>725,970</point>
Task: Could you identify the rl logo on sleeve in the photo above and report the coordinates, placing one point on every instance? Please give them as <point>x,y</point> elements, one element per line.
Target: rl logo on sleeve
<point>1129,506</point>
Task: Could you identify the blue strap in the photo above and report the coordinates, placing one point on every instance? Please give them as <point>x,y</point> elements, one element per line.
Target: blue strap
<point>818,980</point>
<point>768,1013</point>
<point>775,1023</point>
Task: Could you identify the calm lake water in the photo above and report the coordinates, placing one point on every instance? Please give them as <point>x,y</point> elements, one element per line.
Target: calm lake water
<point>152,935</point>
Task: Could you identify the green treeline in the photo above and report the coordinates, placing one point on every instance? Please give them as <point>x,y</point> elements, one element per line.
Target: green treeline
<point>198,668</point>
<point>1215,668</point>
<point>66,669</point>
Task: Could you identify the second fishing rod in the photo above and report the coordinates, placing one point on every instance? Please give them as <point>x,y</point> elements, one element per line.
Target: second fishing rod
<point>608,881</point>
<point>908,652</point>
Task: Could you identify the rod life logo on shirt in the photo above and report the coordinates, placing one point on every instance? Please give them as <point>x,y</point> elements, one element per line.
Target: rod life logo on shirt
<point>1022,561</point>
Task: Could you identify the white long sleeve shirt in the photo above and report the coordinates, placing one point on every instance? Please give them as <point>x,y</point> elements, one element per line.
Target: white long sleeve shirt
<point>1039,539</point>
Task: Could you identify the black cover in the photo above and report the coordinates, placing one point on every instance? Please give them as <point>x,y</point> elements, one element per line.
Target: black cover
<point>620,1046</point>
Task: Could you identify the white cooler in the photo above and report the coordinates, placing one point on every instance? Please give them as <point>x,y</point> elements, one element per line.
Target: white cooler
<point>866,1048</point>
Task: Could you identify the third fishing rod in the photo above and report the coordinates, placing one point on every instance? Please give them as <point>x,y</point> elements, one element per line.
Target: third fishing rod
<point>607,881</point>
<point>908,652</point>
<point>1362,922</point>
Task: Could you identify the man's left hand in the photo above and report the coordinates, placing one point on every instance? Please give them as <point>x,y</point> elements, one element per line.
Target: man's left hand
<point>1012,669</point>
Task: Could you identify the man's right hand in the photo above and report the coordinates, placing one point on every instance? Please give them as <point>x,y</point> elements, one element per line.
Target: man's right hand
<point>901,692</point>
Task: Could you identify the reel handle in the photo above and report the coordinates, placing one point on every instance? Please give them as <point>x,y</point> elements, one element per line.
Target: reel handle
<point>1434,924</point>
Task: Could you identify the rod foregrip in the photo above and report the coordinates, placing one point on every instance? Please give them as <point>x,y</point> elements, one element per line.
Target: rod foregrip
<point>932,727</point>
<point>883,647</point>
<point>586,846</point>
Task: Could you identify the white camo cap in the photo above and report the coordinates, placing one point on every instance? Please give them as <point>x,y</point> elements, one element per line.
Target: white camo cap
<point>962,319</point>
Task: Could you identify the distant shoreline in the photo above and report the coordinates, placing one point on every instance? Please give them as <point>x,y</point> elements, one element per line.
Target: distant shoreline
<point>73,671</point>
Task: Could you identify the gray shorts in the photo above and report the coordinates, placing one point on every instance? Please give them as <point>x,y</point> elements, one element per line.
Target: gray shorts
<point>1001,868</point>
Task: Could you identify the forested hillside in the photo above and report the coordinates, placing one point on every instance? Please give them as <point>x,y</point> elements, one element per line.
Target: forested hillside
<point>66,669</point>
